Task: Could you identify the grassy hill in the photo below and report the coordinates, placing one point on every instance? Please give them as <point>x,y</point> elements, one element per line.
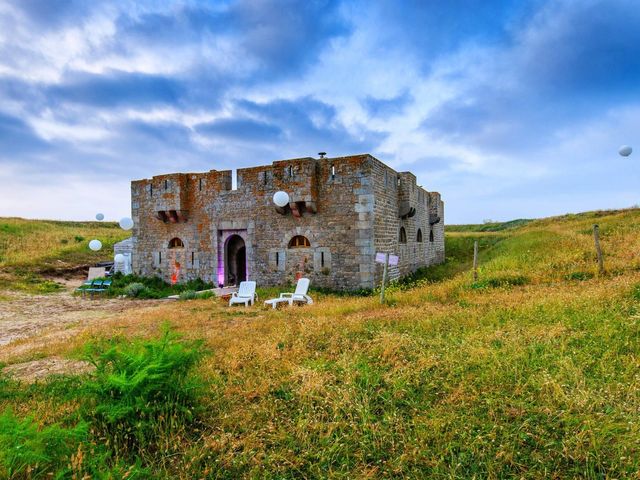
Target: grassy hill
<point>31,250</point>
<point>488,226</point>
<point>530,372</point>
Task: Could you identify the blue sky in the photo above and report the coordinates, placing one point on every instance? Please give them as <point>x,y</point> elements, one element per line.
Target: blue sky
<point>509,108</point>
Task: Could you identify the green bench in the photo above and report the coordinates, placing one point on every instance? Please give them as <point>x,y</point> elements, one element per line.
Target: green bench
<point>94,286</point>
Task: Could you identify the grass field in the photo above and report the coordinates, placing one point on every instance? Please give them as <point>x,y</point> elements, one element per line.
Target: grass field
<point>31,250</point>
<point>530,372</point>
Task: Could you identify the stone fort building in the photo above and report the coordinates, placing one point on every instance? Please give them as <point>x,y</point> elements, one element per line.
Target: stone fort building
<point>341,212</point>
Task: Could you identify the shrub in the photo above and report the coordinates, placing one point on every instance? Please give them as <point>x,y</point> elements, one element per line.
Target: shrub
<point>580,276</point>
<point>188,295</point>
<point>134,289</point>
<point>155,286</point>
<point>501,281</point>
<point>205,295</point>
<point>27,451</point>
<point>78,238</point>
<point>143,391</point>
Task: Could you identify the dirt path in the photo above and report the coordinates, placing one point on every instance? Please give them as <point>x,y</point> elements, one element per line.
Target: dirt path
<point>30,321</point>
<point>23,316</point>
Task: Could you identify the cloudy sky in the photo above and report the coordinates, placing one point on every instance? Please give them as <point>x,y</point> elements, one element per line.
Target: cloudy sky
<point>509,108</point>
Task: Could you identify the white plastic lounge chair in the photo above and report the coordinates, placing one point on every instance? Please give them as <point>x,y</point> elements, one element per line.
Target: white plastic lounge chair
<point>246,294</point>
<point>300,295</point>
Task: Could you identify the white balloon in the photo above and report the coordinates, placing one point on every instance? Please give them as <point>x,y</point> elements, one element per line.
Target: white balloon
<point>625,150</point>
<point>126,223</point>
<point>99,217</point>
<point>119,258</point>
<point>95,245</point>
<point>281,198</point>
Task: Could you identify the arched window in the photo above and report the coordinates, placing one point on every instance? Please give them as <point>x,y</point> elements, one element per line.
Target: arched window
<point>299,242</point>
<point>176,243</point>
<point>431,235</point>
<point>403,235</point>
<point>419,236</point>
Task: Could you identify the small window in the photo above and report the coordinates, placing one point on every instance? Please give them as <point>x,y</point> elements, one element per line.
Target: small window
<point>403,235</point>
<point>333,171</point>
<point>200,184</point>
<point>322,259</point>
<point>277,259</point>
<point>398,181</point>
<point>299,242</point>
<point>159,257</point>
<point>151,189</point>
<point>419,236</point>
<point>290,170</point>
<point>176,243</point>
<point>193,258</point>
<point>431,235</point>
<point>166,184</point>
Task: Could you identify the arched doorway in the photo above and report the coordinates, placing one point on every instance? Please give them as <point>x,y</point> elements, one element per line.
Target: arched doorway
<point>235,261</point>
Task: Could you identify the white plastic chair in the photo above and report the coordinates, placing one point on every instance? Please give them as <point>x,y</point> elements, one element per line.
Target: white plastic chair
<point>246,294</point>
<point>300,295</point>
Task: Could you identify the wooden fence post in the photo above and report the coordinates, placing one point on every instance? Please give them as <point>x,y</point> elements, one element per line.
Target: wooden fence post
<point>596,239</point>
<point>475,261</point>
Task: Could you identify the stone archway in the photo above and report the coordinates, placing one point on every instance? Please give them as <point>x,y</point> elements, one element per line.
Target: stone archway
<point>235,260</point>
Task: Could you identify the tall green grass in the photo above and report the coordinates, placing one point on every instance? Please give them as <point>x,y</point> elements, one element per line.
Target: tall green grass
<point>28,451</point>
<point>140,404</point>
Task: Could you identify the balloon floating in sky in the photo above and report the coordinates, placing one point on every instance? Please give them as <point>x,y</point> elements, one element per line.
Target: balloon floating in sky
<point>625,150</point>
<point>99,217</point>
<point>281,199</point>
<point>119,258</point>
<point>95,245</point>
<point>126,223</point>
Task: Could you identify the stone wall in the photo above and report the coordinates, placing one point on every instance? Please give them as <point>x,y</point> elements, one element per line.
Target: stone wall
<point>343,206</point>
<point>396,193</point>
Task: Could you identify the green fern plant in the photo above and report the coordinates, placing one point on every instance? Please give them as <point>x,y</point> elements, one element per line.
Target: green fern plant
<point>28,451</point>
<point>143,392</point>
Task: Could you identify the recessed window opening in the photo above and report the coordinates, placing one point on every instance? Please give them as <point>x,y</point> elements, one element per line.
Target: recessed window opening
<point>290,168</point>
<point>193,258</point>
<point>176,243</point>
<point>419,236</point>
<point>333,171</point>
<point>151,189</point>
<point>200,184</point>
<point>265,178</point>
<point>166,184</point>
<point>322,259</point>
<point>403,235</point>
<point>431,235</point>
<point>299,242</point>
<point>398,181</point>
<point>159,257</point>
<point>277,259</point>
